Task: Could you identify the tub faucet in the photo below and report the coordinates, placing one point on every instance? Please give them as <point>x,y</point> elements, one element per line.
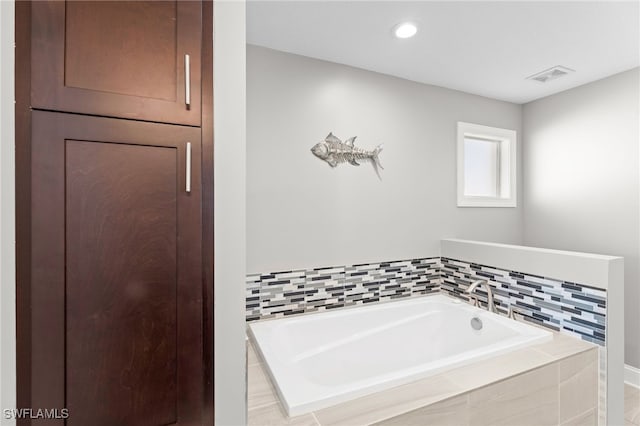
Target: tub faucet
<point>491,307</point>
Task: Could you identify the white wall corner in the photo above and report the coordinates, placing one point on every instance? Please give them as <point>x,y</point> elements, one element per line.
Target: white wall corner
<point>575,210</point>
<point>229,212</point>
<point>615,343</point>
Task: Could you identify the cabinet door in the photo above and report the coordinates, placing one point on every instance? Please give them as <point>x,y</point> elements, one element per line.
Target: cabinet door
<point>116,294</point>
<point>123,59</point>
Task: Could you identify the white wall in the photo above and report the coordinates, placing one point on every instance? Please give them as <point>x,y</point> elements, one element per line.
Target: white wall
<point>581,179</point>
<point>229,212</point>
<point>301,213</point>
<point>7,213</point>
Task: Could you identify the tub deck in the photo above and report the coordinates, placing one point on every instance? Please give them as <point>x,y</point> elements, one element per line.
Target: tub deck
<point>548,374</point>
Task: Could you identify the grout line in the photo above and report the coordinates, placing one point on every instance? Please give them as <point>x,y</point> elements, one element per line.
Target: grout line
<point>262,406</point>
<point>571,420</point>
<point>313,414</point>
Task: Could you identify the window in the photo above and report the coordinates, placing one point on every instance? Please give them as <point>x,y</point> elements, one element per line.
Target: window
<point>486,166</point>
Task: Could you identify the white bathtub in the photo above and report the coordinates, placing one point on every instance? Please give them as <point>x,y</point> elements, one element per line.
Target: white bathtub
<point>322,359</point>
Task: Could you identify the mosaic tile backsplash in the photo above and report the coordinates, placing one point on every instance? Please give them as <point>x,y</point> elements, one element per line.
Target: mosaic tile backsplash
<point>560,305</point>
<point>570,307</point>
<point>285,293</point>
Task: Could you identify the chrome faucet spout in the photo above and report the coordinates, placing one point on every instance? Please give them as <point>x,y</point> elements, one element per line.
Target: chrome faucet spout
<point>491,307</point>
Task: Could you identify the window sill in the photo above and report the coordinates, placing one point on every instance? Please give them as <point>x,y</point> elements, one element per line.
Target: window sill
<point>486,202</point>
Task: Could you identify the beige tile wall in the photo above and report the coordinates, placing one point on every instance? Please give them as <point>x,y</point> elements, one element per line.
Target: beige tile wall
<point>561,392</point>
<point>631,405</point>
<point>578,386</point>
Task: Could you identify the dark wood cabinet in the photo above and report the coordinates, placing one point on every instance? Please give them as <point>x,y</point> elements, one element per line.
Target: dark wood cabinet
<point>114,212</point>
<point>124,59</point>
<point>116,295</point>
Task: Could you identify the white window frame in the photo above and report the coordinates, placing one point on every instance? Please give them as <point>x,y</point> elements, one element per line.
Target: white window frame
<point>508,165</point>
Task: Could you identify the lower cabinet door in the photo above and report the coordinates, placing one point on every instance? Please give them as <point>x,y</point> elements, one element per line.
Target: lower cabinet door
<point>116,288</point>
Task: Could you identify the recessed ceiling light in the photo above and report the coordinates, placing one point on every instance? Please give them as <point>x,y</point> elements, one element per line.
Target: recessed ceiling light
<point>405,30</point>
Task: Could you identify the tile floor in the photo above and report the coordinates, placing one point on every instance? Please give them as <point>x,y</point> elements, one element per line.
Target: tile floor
<point>631,406</point>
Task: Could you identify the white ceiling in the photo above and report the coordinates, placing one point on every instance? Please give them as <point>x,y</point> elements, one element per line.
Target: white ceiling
<point>480,47</point>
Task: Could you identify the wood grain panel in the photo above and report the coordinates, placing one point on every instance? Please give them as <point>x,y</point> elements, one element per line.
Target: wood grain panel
<point>54,40</point>
<point>122,47</point>
<point>207,208</point>
<point>116,292</point>
<point>117,59</point>
<point>23,204</point>
<point>121,284</point>
<point>47,272</point>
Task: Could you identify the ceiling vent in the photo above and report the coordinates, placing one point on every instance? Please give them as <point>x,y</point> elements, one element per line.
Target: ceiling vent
<point>550,74</point>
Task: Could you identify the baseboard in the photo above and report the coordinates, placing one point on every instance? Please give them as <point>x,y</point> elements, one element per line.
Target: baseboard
<point>632,376</point>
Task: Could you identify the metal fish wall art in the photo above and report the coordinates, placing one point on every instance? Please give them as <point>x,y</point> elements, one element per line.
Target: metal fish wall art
<point>334,151</point>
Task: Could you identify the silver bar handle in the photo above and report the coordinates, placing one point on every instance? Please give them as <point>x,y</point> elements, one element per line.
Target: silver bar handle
<point>187,80</point>
<point>188,176</point>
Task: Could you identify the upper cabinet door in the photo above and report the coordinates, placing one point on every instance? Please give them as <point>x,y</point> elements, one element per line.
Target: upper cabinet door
<point>130,59</point>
